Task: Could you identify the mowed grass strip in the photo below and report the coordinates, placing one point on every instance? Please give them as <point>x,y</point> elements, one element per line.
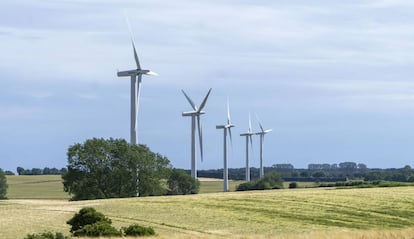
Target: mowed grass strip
<point>255,214</point>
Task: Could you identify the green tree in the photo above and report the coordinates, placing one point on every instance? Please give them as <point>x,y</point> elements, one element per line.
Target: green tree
<point>3,185</point>
<point>20,170</point>
<point>101,168</point>
<point>181,183</point>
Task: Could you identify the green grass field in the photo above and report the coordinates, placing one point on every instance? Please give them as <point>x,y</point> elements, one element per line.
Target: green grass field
<point>32,187</point>
<point>300,213</point>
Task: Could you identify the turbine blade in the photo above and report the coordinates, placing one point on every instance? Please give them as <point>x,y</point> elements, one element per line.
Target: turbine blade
<point>251,143</point>
<point>190,101</point>
<point>139,88</point>
<point>228,111</point>
<point>203,103</point>
<point>136,55</point>
<point>151,73</point>
<point>133,42</point>
<point>260,125</point>
<point>200,136</point>
<point>231,138</point>
<point>250,124</point>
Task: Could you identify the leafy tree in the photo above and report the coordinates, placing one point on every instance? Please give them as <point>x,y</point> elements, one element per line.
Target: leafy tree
<point>3,185</point>
<point>181,183</point>
<point>101,168</point>
<point>20,171</point>
<point>318,174</point>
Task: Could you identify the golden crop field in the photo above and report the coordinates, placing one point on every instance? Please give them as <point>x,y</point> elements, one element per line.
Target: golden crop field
<point>290,213</point>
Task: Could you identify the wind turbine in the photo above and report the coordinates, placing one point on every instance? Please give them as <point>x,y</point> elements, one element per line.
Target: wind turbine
<point>197,111</point>
<point>136,76</point>
<point>226,127</point>
<point>261,134</point>
<point>249,137</point>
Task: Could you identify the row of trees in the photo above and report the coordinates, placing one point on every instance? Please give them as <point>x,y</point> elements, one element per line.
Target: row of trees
<point>321,172</point>
<point>39,171</point>
<point>112,168</point>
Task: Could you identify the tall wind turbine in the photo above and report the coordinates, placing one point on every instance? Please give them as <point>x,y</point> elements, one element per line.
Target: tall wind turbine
<point>261,134</point>
<point>249,137</point>
<point>226,127</point>
<point>197,111</point>
<point>136,76</point>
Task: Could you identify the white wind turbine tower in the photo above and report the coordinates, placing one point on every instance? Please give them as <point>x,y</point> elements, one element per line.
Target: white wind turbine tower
<point>136,75</point>
<point>226,127</point>
<point>197,111</point>
<point>261,134</point>
<point>249,137</point>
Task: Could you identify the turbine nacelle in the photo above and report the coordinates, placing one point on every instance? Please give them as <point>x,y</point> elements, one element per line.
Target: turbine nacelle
<point>247,134</point>
<point>136,72</point>
<point>227,126</point>
<point>191,113</point>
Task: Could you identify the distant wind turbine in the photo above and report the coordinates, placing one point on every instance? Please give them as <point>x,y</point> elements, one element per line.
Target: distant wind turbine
<point>261,134</point>
<point>134,74</point>
<point>249,137</point>
<point>226,127</point>
<point>197,111</point>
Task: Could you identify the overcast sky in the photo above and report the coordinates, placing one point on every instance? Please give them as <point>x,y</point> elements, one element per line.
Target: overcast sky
<point>333,79</point>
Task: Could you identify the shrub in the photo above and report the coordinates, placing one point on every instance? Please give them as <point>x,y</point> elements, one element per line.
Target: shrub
<point>3,185</point>
<point>46,235</point>
<point>270,181</point>
<point>101,228</point>
<point>137,230</point>
<point>86,216</point>
<point>293,185</point>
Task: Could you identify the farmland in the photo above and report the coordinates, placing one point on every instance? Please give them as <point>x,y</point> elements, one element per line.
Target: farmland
<point>295,213</point>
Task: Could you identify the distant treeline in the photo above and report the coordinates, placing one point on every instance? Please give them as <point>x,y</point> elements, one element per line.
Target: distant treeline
<point>320,173</point>
<point>39,171</point>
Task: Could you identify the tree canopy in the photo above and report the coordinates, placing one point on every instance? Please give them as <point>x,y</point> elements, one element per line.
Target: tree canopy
<point>109,168</point>
<point>181,183</point>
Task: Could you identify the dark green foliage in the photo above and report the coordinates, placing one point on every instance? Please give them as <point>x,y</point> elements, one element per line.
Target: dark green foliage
<point>97,229</point>
<point>137,230</point>
<point>90,223</point>
<point>293,185</point>
<point>181,183</point>
<point>86,216</point>
<point>46,235</point>
<point>112,168</point>
<point>270,181</point>
<point>7,172</point>
<point>3,185</point>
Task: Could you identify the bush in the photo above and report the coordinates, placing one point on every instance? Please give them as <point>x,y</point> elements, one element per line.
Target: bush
<point>3,185</point>
<point>97,229</point>
<point>293,185</point>
<point>86,216</point>
<point>47,235</point>
<point>137,230</point>
<point>270,181</point>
